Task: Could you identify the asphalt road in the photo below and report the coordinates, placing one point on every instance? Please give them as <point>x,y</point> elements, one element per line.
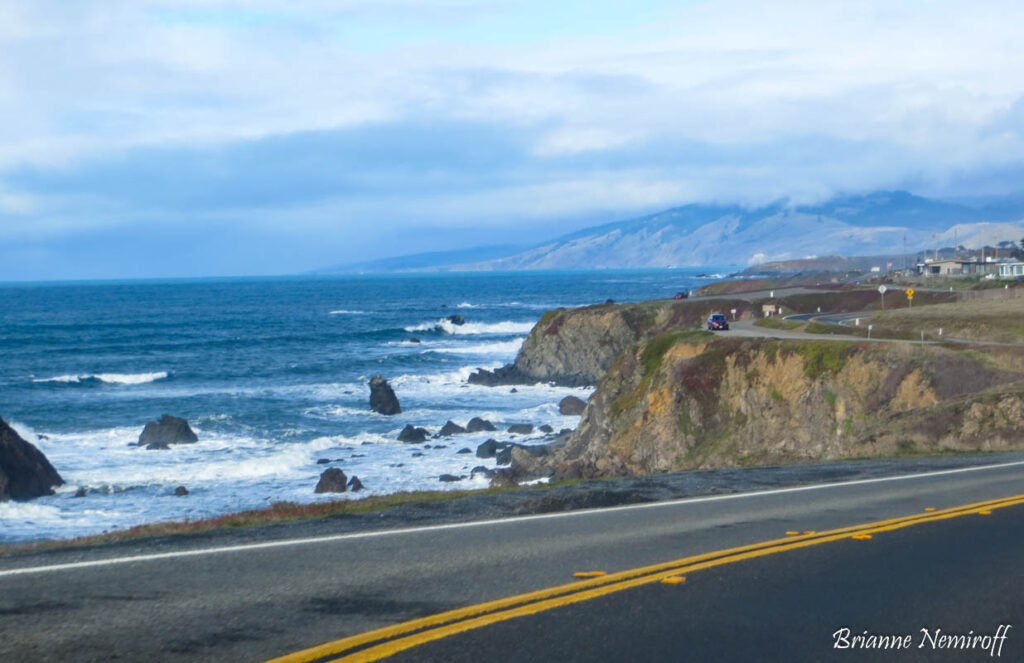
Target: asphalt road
<point>253,602</point>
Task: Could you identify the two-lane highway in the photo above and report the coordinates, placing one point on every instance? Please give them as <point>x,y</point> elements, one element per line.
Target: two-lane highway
<point>253,602</point>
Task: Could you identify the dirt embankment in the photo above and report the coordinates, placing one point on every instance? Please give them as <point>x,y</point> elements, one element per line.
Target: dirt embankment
<point>681,401</point>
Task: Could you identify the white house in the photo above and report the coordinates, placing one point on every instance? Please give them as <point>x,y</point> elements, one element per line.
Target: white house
<point>1011,270</point>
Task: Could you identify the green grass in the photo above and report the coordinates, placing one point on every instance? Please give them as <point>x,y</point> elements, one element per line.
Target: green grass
<point>821,357</point>
<point>775,322</point>
<point>776,396</point>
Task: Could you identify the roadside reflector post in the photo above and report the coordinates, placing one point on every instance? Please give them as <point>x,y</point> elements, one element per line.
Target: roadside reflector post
<point>819,309</point>
<point>870,327</point>
<point>922,336</point>
<point>734,315</point>
<point>856,321</point>
<point>940,331</point>
<point>881,291</point>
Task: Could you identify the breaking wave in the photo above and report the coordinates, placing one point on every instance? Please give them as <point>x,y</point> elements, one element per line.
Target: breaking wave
<point>109,378</point>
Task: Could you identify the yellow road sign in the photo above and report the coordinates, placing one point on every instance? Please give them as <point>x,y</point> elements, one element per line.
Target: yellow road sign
<point>910,293</point>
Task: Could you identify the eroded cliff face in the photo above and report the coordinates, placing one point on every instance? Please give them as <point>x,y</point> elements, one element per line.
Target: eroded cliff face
<point>685,400</point>
<point>577,346</point>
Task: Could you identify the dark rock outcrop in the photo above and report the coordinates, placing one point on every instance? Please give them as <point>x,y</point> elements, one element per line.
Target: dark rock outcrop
<point>456,320</point>
<point>168,430</point>
<point>476,425</point>
<point>415,340</point>
<point>354,484</point>
<point>521,429</point>
<point>332,480</point>
<point>25,473</point>
<point>412,435</point>
<point>546,429</point>
<point>480,470</point>
<point>464,450</point>
<point>180,491</point>
<point>488,449</point>
<point>382,397</point>
<point>505,456</point>
<point>449,478</point>
<point>450,428</point>
<point>505,375</point>
<point>323,461</point>
<point>570,405</point>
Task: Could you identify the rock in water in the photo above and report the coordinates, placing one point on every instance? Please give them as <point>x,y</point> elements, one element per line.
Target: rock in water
<point>476,425</point>
<point>456,320</point>
<point>571,405</point>
<point>332,481</point>
<point>354,484</point>
<point>521,429</point>
<point>412,435</point>
<point>25,472</point>
<point>180,491</point>
<point>165,432</point>
<point>488,449</point>
<point>382,397</point>
<point>450,428</point>
<point>449,478</point>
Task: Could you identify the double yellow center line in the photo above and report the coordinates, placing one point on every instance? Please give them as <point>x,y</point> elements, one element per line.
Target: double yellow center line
<point>384,642</point>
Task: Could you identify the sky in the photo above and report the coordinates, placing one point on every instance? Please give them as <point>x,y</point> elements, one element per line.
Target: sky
<point>146,138</point>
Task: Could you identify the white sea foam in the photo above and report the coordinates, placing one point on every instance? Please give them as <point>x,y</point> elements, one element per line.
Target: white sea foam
<point>467,305</point>
<point>110,378</point>
<point>500,347</point>
<point>448,327</point>
<point>346,312</point>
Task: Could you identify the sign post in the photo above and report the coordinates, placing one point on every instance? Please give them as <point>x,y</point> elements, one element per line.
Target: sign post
<point>910,297</point>
<point>881,291</point>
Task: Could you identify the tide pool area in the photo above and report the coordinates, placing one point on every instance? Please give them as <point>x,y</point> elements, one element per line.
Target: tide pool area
<point>272,374</point>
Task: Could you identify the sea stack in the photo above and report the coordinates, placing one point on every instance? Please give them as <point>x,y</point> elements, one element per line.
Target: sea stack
<point>25,473</point>
<point>382,397</point>
<point>166,431</point>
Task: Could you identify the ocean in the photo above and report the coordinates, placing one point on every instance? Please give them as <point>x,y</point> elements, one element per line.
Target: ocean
<point>272,374</point>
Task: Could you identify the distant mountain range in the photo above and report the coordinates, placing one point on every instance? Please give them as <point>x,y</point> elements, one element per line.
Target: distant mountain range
<point>879,223</point>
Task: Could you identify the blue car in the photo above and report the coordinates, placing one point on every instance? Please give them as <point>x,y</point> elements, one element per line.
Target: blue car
<point>717,321</point>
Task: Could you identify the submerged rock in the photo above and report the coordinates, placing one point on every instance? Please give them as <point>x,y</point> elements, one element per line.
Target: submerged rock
<point>332,480</point>
<point>546,429</point>
<point>412,435</point>
<point>164,432</point>
<point>25,473</point>
<point>477,425</point>
<point>570,405</point>
<point>382,397</point>
<point>180,491</point>
<point>464,450</point>
<point>449,478</point>
<point>81,492</point>
<point>456,320</point>
<point>354,484</point>
<point>521,429</point>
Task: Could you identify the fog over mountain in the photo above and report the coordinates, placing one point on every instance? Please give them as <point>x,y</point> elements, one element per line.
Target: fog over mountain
<point>882,222</point>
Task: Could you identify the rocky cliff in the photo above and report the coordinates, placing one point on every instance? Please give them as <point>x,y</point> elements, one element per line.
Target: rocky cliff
<point>576,347</point>
<point>684,400</point>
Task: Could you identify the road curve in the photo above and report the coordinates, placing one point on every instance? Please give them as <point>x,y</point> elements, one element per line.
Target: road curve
<point>254,602</point>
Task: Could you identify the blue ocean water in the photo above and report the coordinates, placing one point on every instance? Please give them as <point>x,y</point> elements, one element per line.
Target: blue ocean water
<point>272,374</point>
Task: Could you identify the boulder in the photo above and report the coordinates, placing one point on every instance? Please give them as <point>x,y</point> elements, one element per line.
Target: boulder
<point>415,340</point>
<point>571,405</point>
<point>322,461</point>
<point>476,425</point>
<point>412,435</point>
<point>354,484</point>
<point>81,492</point>
<point>521,429</point>
<point>546,429</point>
<point>488,449</point>
<point>417,454</point>
<point>382,397</point>
<point>332,480</point>
<point>464,450</point>
<point>168,430</point>
<point>25,472</point>
<point>456,320</point>
<point>450,428</point>
<point>180,491</point>
<point>449,478</point>
<point>509,453</point>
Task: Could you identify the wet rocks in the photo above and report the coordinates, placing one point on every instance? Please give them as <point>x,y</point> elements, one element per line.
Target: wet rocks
<point>464,450</point>
<point>450,428</point>
<point>354,484</point>
<point>382,397</point>
<point>164,432</point>
<point>415,340</point>
<point>570,405</point>
<point>488,449</point>
<point>449,478</point>
<point>333,480</point>
<point>25,473</point>
<point>180,491</point>
<point>481,471</point>
<point>323,461</point>
<point>521,429</point>
<point>546,429</point>
<point>506,375</point>
<point>477,425</point>
<point>81,492</point>
<point>456,320</point>
<point>412,435</point>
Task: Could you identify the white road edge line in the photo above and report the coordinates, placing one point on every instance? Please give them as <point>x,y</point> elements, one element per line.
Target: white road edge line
<point>481,523</point>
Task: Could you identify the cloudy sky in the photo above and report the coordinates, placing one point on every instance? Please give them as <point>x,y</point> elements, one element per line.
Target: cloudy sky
<point>146,138</point>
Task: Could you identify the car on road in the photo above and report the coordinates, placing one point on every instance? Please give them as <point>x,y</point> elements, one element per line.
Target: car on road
<point>718,321</point>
